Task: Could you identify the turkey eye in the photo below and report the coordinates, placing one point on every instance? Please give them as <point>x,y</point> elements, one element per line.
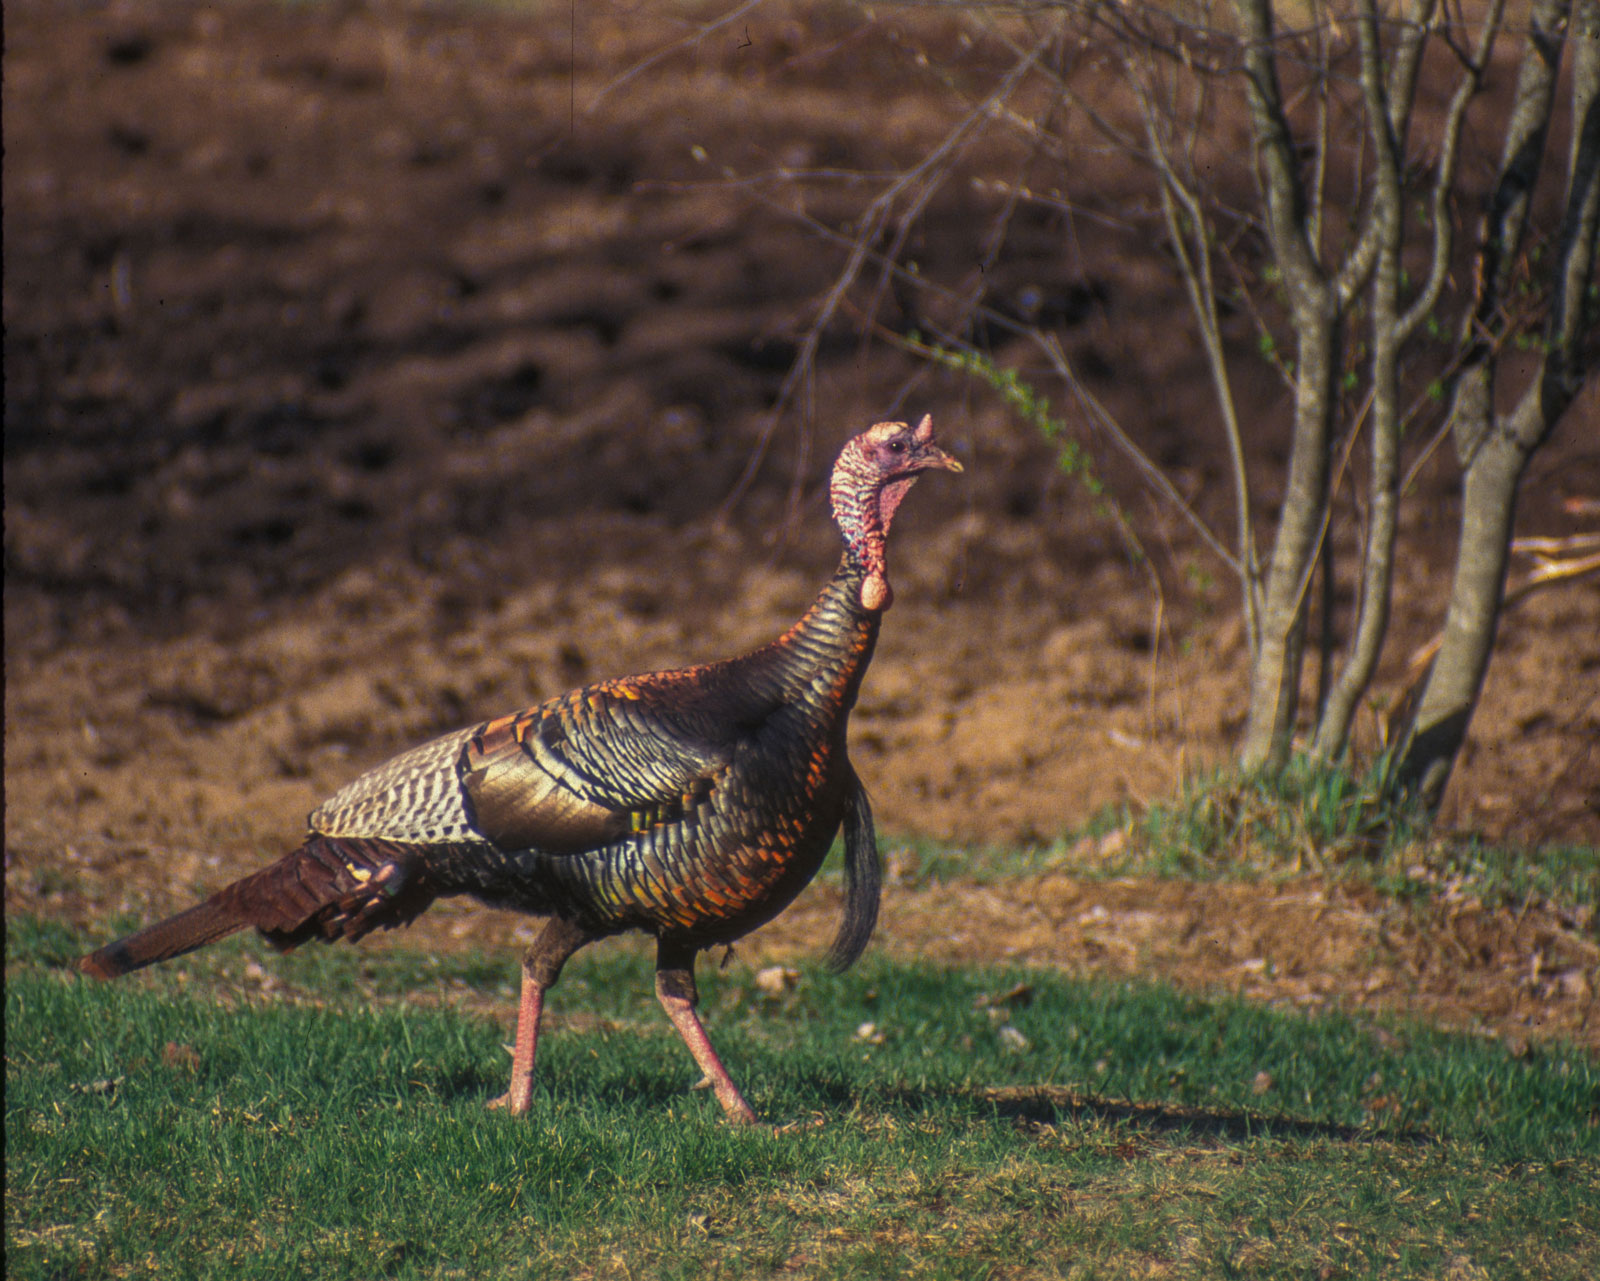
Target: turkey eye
<point>897,446</point>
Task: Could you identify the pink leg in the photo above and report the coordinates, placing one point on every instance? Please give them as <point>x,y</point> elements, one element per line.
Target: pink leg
<point>541,966</point>
<point>520,1095</point>
<point>675,990</point>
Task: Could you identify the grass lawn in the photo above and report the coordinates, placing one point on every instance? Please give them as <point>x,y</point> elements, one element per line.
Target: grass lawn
<point>989,1123</point>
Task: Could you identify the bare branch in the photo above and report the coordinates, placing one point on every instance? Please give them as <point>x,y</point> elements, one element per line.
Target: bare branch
<point>1107,422</point>
<point>1397,99</point>
<point>640,67</point>
<point>1506,219</point>
<point>1089,111</point>
<point>1319,180</point>
<point>1377,562</point>
<point>1444,178</point>
<point>1195,270</point>
<point>1565,361</point>
<point>868,228</point>
<point>1281,186</point>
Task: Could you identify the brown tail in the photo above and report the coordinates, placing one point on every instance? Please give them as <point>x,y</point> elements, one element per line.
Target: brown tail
<point>329,888</point>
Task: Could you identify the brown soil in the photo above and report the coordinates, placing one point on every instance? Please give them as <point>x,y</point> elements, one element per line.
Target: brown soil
<point>362,381</point>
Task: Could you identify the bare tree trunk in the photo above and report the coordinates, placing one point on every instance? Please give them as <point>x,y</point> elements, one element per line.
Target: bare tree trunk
<point>1275,677</point>
<point>1495,450</point>
<point>1487,516</point>
<point>1338,279</point>
<point>1275,674</point>
<point>1388,110</point>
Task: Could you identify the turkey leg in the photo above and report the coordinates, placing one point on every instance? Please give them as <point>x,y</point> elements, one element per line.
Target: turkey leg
<point>541,967</point>
<point>678,995</point>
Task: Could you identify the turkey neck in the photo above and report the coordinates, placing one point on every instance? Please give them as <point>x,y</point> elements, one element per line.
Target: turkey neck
<point>818,663</point>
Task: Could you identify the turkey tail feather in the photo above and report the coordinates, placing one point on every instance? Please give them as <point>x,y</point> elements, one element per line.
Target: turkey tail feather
<point>329,888</point>
<point>863,881</point>
<point>162,941</point>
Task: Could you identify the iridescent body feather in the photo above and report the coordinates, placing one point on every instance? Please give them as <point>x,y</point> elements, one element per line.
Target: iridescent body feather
<point>691,804</point>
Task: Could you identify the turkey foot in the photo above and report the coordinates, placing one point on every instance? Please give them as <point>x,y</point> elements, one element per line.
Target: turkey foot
<point>676,991</point>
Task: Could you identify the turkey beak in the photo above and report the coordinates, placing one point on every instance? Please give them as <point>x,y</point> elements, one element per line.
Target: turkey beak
<point>938,458</point>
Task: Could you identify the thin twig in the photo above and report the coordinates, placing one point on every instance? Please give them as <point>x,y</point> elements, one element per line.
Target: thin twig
<point>870,225</point>
<point>1195,270</point>
<point>644,64</point>
<point>1443,227</point>
<point>1106,422</point>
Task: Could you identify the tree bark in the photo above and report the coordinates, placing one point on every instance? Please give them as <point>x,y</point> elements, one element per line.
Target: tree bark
<point>1275,676</point>
<point>1388,109</point>
<point>1488,515</point>
<point>1315,311</point>
<point>1493,450</point>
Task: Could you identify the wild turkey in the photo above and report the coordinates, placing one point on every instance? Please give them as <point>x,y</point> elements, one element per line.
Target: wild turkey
<point>691,804</point>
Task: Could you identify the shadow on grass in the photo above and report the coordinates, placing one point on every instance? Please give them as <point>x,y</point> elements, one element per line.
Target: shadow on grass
<point>1047,1104</point>
<point>1030,1107</point>
<point>1043,1105</point>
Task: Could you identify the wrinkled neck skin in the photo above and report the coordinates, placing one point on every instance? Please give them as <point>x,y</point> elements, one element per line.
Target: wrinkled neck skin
<point>864,506</point>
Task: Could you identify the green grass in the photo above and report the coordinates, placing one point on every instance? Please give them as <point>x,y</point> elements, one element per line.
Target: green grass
<point>170,1126</point>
